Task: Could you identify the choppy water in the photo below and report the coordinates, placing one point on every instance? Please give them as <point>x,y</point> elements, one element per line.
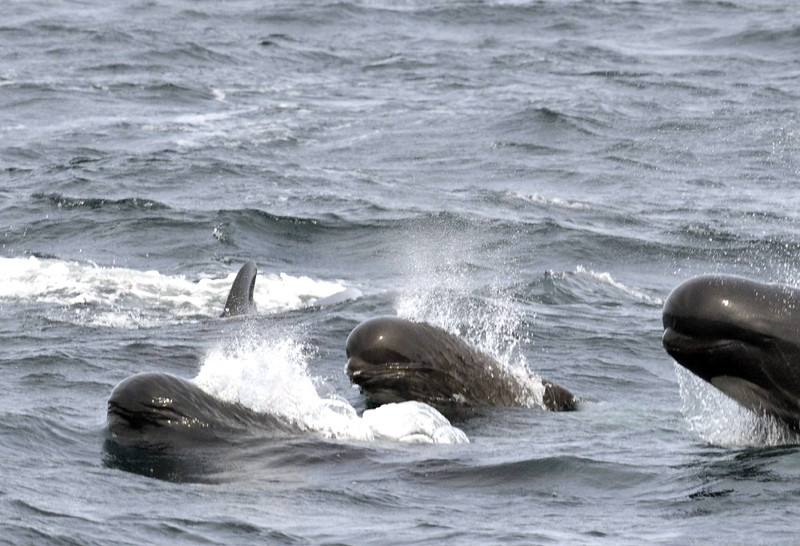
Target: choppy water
<point>534,176</point>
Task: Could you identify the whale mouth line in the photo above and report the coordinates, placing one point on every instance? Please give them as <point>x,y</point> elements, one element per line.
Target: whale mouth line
<point>386,382</point>
<point>677,342</point>
<point>361,365</point>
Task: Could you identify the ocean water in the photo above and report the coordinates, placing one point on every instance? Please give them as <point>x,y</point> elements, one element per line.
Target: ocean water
<point>534,176</point>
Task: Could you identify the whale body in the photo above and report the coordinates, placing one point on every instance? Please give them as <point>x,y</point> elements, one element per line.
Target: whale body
<point>741,336</point>
<point>393,359</point>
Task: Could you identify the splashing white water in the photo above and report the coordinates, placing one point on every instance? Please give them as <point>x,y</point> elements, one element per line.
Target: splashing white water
<point>488,325</point>
<point>271,377</point>
<point>128,298</point>
<point>719,420</point>
<point>437,258</point>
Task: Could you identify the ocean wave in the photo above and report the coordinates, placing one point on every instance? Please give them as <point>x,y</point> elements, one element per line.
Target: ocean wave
<point>544,472</point>
<point>91,203</point>
<point>585,284</point>
<point>528,147</point>
<point>605,278</point>
<point>545,123</point>
<point>265,217</point>
<point>770,39</point>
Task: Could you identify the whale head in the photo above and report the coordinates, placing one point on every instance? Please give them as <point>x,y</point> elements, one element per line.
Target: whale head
<point>394,359</point>
<point>159,409</point>
<point>741,336</point>
<point>148,401</point>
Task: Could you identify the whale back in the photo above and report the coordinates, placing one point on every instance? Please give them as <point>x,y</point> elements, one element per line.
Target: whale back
<point>240,298</point>
<point>393,360</point>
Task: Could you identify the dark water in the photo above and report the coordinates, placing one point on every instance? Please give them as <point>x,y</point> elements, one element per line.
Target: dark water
<point>535,176</point>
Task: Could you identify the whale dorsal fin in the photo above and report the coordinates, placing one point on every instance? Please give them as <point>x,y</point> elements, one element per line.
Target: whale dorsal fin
<point>240,299</point>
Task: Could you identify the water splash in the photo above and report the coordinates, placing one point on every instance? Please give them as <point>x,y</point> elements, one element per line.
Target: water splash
<point>438,262</point>
<point>719,420</point>
<point>271,377</point>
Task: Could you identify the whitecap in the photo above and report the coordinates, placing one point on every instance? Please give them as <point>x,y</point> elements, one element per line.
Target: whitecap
<point>607,279</point>
<point>549,202</point>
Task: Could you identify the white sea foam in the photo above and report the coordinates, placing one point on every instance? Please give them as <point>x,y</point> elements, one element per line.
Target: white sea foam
<point>271,377</point>
<point>122,297</point>
<point>719,420</point>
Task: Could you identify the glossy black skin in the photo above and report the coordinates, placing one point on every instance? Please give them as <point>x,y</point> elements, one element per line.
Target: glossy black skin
<point>741,336</point>
<point>161,410</point>
<point>394,360</point>
<point>240,298</point>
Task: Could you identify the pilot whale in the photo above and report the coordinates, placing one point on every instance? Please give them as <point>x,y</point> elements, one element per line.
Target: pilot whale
<point>741,336</point>
<point>393,359</point>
